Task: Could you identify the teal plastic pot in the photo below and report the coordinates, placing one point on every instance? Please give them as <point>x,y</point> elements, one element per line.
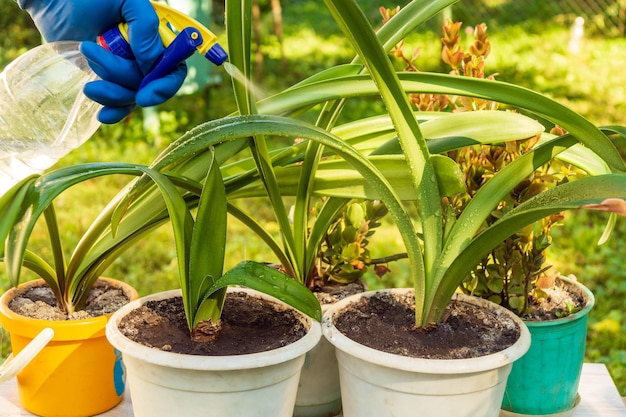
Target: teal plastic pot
<point>545,380</point>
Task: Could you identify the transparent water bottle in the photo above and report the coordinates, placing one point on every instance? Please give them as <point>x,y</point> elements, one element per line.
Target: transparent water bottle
<point>43,111</point>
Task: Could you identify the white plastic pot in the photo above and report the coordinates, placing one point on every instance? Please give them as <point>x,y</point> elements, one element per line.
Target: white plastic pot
<point>379,384</point>
<point>169,384</point>
<point>319,394</point>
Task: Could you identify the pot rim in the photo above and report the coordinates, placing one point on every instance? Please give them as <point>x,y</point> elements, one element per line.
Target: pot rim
<point>423,365</point>
<point>571,280</point>
<point>213,363</point>
<point>63,330</point>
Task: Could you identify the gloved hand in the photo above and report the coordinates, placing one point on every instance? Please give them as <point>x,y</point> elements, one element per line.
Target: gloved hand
<point>118,88</point>
<point>84,20</point>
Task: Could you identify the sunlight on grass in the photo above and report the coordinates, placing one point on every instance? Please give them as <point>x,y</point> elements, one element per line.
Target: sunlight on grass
<point>590,82</point>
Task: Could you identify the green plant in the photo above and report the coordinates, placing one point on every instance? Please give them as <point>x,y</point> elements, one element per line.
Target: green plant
<point>23,205</point>
<point>344,256</point>
<point>517,267</point>
<point>112,233</point>
<point>388,157</point>
<point>451,246</point>
<point>514,272</point>
<point>200,245</point>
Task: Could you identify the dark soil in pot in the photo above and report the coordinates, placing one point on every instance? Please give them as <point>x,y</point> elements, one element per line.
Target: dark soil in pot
<point>556,301</point>
<point>38,302</point>
<point>332,292</point>
<point>386,322</point>
<point>249,325</point>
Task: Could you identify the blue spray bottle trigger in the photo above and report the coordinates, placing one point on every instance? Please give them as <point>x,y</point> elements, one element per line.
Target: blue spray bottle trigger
<point>181,48</point>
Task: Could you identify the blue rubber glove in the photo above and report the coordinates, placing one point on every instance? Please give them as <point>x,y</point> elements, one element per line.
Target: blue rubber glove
<point>84,20</point>
<point>118,88</point>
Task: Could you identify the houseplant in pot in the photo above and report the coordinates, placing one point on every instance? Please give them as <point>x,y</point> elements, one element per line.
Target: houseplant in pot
<point>559,344</point>
<point>196,361</point>
<point>74,297</point>
<point>515,273</point>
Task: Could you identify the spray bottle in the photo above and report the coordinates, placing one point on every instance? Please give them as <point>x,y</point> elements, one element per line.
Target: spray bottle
<point>43,112</point>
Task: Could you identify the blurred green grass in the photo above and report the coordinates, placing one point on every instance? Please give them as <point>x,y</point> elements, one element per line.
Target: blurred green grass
<point>592,82</point>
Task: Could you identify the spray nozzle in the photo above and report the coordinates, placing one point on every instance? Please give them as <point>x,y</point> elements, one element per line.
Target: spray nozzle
<point>181,36</point>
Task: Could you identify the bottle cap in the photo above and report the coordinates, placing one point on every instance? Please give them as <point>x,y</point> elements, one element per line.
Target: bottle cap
<point>114,41</point>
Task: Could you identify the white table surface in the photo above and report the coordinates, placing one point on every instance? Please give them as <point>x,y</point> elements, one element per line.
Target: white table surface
<point>599,397</point>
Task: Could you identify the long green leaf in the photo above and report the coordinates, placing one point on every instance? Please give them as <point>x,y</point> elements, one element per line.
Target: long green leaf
<point>238,29</point>
<point>208,249</point>
<point>10,207</point>
<point>329,212</point>
<point>456,130</point>
<point>567,196</point>
<point>432,83</point>
<point>302,207</point>
<point>355,26</point>
<point>270,281</point>
<point>58,256</point>
<point>182,226</point>
<point>39,266</point>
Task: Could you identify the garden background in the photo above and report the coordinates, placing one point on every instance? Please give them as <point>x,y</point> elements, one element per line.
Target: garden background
<point>531,46</point>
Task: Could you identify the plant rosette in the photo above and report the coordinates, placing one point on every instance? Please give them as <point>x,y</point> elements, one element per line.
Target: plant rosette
<point>78,373</point>
<point>545,380</point>
<point>376,383</point>
<point>165,383</point>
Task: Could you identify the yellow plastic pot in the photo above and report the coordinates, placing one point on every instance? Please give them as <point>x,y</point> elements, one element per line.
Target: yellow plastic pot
<point>78,373</point>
